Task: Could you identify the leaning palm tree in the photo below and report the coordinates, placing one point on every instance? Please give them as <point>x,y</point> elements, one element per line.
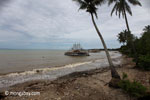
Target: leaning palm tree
<point>122,7</point>
<point>91,7</point>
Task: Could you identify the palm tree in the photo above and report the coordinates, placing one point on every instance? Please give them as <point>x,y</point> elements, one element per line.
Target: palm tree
<point>125,37</point>
<point>91,7</point>
<point>147,28</point>
<point>122,37</point>
<point>122,7</point>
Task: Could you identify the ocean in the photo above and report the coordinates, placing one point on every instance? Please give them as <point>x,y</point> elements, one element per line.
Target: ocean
<point>18,66</point>
<point>24,60</point>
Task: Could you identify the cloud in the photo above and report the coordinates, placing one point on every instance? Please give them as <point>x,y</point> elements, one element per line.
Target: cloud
<point>58,24</point>
<point>146,3</point>
<point>3,3</point>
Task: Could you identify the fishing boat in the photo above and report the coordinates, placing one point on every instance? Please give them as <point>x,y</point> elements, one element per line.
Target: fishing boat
<point>77,50</point>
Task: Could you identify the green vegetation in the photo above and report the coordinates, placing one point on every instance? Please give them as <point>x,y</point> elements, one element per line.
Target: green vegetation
<point>133,88</point>
<point>124,76</point>
<point>144,62</point>
<point>126,38</point>
<point>122,7</point>
<point>142,45</point>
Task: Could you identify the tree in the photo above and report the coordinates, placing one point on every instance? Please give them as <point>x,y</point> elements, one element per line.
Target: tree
<point>91,7</point>
<point>122,37</point>
<point>143,44</point>
<point>122,7</point>
<point>126,38</point>
<point>147,28</point>
<point>143,47</point>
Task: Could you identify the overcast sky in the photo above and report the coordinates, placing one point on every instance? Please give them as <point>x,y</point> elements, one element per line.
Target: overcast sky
<point>57,24</point>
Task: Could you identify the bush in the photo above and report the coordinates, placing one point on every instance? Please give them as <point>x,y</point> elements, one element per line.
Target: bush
<point>124,76</point>
<point>133,88</point>
<point>144,62</point>
<point>126,50</point>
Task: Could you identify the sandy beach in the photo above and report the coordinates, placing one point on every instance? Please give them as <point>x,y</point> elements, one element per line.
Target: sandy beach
<point>85,85</point>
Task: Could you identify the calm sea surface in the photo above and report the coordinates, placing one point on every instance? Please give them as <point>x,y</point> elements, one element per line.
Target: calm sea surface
<point>24,60</point>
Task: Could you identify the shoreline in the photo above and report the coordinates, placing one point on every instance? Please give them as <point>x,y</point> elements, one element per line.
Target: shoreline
<point>52,66</point>
<point>85,85</point>
<point>56,72</point>
<point>38,69</point>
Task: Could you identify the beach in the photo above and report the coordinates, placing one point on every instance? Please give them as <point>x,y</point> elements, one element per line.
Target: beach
<point>85,85</point>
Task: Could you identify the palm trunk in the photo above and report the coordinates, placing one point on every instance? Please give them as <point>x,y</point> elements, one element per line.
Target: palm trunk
<point>133,46</point>
<point>114,73</point>
<point>127,25</point>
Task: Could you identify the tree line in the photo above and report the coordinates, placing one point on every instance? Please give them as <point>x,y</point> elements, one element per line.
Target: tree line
<point>142,47</point>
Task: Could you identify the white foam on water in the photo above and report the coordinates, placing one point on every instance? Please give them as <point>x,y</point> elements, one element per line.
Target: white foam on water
<point>42,70</point>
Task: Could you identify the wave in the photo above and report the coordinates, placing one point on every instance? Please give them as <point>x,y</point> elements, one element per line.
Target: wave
<point>43,70</point>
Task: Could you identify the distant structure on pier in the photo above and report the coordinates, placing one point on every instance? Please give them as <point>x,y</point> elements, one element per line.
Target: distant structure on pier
<point>77,50</point>
<point>76,47</point>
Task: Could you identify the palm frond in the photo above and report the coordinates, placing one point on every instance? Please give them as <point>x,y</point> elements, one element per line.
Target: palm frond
<point>96,15</point>
<point>111,1</point>
<point>128,9</point>
<point>121,5</point>
<point>83,6</point>
<point>120,11</point>
<point>135,2</point>
<point>114,8</point>
<point>78,1</point>
<point>89,5</point>
<point>81,3</point>
<point>98,2</point>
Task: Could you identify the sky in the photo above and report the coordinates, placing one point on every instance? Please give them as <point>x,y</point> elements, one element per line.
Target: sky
<point>57,24</point>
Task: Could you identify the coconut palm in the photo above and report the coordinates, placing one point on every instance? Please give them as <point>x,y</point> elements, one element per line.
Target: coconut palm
<point>147,28</point>
<point>122,7</point>
<point>126,37</point>
<point>122,37</point>
<point>91,7</point>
